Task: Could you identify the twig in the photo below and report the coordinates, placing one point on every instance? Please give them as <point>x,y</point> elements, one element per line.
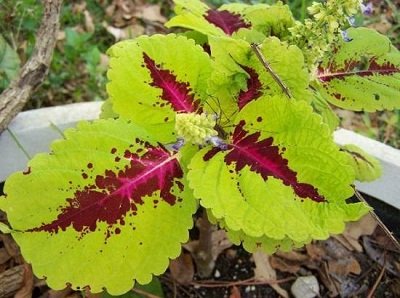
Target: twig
<point>267,66</point>
<point>13,99</point>
<point>144,293</point>
<point>378,280</point>
<point>246,282</point>
<point>380,223</point>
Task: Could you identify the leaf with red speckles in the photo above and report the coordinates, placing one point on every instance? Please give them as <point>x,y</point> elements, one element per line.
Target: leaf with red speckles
<point>363,73</point>
<point>254,21</point>
<point>282,176</point>
<point>153,78</point>
<point>108,197</point>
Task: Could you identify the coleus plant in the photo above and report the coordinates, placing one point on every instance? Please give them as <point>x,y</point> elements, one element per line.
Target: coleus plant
<point>233,115</point>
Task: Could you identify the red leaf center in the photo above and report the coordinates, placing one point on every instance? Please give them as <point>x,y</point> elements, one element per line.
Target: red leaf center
<point>115,193</point>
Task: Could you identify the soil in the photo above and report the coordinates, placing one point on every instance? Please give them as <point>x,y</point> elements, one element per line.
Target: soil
<point>340,269</point>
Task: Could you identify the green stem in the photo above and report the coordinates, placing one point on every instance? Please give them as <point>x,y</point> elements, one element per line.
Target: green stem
<point>303,10</point>
<point>14,137</point>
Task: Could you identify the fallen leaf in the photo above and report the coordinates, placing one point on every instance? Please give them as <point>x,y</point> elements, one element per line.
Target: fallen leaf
<point>27,285</point>
<point>354,230</point>
<point>293,255</point>
<point>345,266</point>
<point>383,240</point>
<point>284,265</point>
<point>327,280</point>
<point>110,10</point>
<point>235,292</point>
<point>314,251</point>
<point>60,35</point>
<point>124,33</point>
<point>150,13</point>
<point>89,25</point>
<point>264,272</point>
<point>395,287</point>
<point>348,242</point>
<point>380,256</point>
<point>382,26</point>
<point>182,269</point>
<point>335,249</point>
<point>78,8</point>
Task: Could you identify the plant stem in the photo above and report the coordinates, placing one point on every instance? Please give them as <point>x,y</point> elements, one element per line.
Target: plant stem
<point>203,256</point>
<point>267,66</point>
<point>303,10</point>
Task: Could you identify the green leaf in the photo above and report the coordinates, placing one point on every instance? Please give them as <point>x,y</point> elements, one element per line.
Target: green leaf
<point>189,14</point>
<point>366,167</point>
<point>281,177</point>
<point>270,20</point>
<point>153,78</point>
<point>107,110</point>
<point>322,107</point>
<point>240,77</point>
<point>5,229</point>
<point>9,60</point>
<point>362,74</point>
<point>264,243</point>
<point>152,288</point>
<point>108,197</point>
<point>232,19</point>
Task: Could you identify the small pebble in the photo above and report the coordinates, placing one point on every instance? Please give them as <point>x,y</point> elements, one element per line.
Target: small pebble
<point>305,287</point>
<point>217,274</point>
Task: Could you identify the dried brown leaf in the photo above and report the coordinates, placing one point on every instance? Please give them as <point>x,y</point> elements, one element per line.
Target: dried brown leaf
<point>348,242</point>
<point>284,265</point>
<point>182,269</point>
<point>89,25</point>
<point>315,251</point>
<point>379,255</point>
<point>78,8</point>
<point>354,230</point>
<point>293,256</point>
<point>150,13</point>
<point>265,272</point>
<point>124,33</point>
<point>110,10</point>
<point>327,281</point>
<point>395,287</point>
<point>335,249</point>
<point>343,267</point>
